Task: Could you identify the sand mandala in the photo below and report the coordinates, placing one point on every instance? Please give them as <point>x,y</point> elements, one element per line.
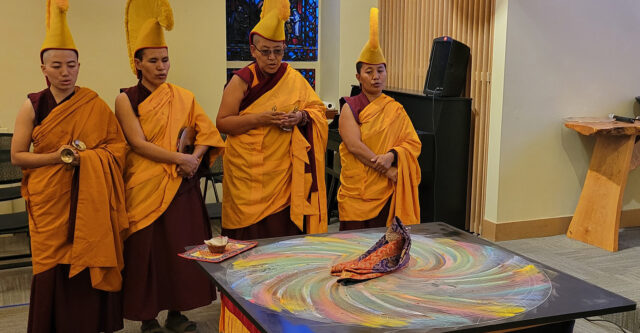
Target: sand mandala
<point>447,283</point>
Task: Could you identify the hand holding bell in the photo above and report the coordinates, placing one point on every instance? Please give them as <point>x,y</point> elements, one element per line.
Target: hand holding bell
<point>68,153</point>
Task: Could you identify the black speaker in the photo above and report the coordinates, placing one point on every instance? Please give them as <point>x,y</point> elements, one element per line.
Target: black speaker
<point>447,72</point>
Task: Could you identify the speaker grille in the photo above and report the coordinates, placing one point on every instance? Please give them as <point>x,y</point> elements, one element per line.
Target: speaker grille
<point>447,71</point>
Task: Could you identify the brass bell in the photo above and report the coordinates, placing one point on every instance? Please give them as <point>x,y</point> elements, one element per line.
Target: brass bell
<point>79,145</point>
<point>67,156</point>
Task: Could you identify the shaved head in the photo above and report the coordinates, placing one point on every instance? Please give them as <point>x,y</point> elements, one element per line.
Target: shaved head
<point>61,68</point>
<point>46,55</point>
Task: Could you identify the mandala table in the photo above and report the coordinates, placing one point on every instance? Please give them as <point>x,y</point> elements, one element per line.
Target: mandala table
<point>454,282</point>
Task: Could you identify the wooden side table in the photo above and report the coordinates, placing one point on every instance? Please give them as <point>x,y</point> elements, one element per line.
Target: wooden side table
<point>330,113</point>
<point>596,220</point>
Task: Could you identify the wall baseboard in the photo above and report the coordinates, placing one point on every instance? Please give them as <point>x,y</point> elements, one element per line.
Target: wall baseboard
<point>497,232</point>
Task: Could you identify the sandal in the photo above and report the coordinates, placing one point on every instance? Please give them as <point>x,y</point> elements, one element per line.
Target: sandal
<point>180,324</point>
<point>153,326</point>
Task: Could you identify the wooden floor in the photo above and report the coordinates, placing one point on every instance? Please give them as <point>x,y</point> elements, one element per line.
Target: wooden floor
<point>618,272</point>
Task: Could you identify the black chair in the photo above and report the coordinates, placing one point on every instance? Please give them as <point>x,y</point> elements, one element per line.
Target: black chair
<point>214,176</point>
<point>332,171</point>
<point>11,223</point>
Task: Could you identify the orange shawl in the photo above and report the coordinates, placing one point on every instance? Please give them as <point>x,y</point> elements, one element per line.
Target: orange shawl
<point>364,191</point>
<point>101,216</point>
<point>151,186</point>
<point>264,168</point>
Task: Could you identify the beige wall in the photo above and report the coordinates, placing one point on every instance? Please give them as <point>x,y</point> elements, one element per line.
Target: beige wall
<point>354,33</point>
<point>327,85</point>
<point>495,119</point>
<point>562,58</point>
<point>344,29</point>
<point>195,45</point>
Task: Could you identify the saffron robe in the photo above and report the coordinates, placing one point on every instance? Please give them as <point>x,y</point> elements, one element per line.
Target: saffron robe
<point>151,186</point>
<point>363,192</point>
<point>266,168</point>
<point>53,289</point>
<point>100,218</point>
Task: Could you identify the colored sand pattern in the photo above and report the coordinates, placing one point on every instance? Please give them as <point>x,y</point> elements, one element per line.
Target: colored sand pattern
<point>447,283</point>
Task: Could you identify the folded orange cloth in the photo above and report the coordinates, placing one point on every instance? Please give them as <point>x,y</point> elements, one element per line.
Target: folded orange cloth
<point>389,254</point>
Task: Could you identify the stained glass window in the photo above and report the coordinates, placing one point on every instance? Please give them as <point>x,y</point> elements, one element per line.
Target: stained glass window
<point>230,73</point>
<point>308,73</point>
<point>301,29</point>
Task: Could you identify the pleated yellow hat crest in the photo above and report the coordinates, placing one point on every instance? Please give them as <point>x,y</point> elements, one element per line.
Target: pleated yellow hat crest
<point>58,34</point>
<point>371,52</point>
<point>271,25</point>
<point>144,22</point>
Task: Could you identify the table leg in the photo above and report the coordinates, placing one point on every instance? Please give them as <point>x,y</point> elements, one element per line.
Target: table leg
<point>597,217</point>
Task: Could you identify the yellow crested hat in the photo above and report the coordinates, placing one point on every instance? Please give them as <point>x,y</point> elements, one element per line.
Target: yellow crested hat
<point>271,25</point>
<point>144,22</point>
<point>58,34</point>
<point>371,52</point>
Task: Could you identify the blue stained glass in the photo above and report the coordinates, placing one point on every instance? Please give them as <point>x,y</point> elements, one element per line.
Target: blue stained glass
<point>230,73</point>
<point>310,75</point>
<point>301,29</point>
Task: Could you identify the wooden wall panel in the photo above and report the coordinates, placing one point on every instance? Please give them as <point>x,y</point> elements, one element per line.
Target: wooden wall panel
<point>407,30</point>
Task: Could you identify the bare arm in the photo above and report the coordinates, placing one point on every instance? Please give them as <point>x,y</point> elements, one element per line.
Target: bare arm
<point>21,142</point>
<point>230,121</point>
<point>199,150</point>
<point>139,144</point>
<point>350,133</point>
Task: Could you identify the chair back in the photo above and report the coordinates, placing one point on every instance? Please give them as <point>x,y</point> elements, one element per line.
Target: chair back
<point>216,168</point>
<point>9,173</point>
<point>16,222</point>
<point>214,175</point>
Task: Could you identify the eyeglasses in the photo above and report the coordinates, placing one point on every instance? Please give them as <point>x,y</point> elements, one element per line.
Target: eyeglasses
<point>276,52</point>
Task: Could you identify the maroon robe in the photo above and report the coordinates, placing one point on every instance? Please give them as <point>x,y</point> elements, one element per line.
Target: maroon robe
<point>356,103</point>
<point>262,83</point>
<point>155,278</point>
<point>59,303</point>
